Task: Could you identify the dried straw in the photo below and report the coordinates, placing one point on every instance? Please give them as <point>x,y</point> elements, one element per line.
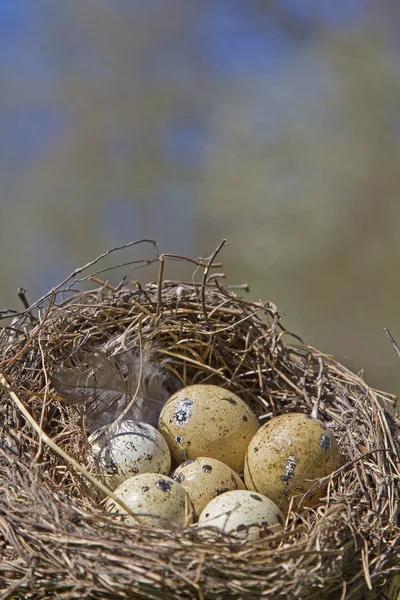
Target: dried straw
<point>55,539</point>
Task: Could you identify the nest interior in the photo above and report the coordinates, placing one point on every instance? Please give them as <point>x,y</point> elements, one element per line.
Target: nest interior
<point>55,539</point>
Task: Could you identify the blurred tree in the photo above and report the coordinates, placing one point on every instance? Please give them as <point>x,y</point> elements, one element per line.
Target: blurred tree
<point>273,124</point>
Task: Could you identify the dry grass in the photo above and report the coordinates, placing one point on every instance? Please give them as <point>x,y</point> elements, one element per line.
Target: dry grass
<point>55,540</point>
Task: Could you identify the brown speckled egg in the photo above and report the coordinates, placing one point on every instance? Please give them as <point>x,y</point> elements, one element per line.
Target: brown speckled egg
<point>242,514</point>
<point>205,479</point>
<point>207,420</point>
<point>287,451</point>
<point>156,499</point>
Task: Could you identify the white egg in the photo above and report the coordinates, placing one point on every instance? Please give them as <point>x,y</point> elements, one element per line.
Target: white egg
<point>127,449</point>
<point>157,501</point>
<point>242,513</point>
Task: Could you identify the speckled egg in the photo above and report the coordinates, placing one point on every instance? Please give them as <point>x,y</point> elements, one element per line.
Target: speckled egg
<point>205,479</point>
<point>285,453</point>
<point>127,449</point>
<point>207,420</point>
<point>243,514</point>
<point>157,501</point>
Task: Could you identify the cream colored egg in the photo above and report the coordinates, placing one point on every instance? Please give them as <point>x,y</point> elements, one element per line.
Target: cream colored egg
<point>156,500</point>
<point>207,420</point>
<point>285,453</point>
<point>242,513</point>
<point>127,449</point>
<point>205,479</point>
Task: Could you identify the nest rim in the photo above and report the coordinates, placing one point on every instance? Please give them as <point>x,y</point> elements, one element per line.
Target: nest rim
<point>350,566</point>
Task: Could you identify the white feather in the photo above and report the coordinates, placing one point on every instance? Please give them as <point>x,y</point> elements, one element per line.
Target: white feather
<point>103,387</point>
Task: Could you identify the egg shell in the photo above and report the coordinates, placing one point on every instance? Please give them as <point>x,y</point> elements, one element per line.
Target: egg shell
<point>208,421</point>
<point>242,513</point>
<point>287,451</point>
<point>157,500</point>
<point>205,479</point>
<point>127,449</point>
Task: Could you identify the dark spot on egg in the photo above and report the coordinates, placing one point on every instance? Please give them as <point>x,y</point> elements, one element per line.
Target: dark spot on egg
<point>145,488</point>
<point>207,468</point>
<point>183,411</point>
<point>163,485</point>
<point>221,491</point>
<point>255,497</point>
<point>325,442</point>
<point>279,518</point>
<point>255,448</point>
<point>112,469</point>
<point>245,418</point>
<point>188,462</point>
<point>241,527</point>
<point>265,426</point>
<point>290,466</point>
<point>207,515</point>
<point>177,477</point>
<point>231,401</point>
<point>179,439</point>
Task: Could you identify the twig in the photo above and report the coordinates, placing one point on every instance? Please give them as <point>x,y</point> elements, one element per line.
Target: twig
<point>46,390</point>
<point>324,480</point>
<point>47,440</point>
<point>159,286</point>
<point>83,268</point>
<point>10,361</point>
<point>204,281</point>
<point>25,303</point>
<point>315,410</point>
<point>198,263</point>
<point>391,338</point>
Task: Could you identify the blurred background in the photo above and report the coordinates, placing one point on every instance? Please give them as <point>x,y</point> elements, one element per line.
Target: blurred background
<point>272,123</point>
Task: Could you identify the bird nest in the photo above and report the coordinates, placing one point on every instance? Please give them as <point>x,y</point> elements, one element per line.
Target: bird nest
<point>55,538</point>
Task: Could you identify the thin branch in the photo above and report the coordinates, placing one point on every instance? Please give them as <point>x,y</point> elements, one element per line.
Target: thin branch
<point>391,338</point>
<point>79,270</point>
<point>37,329</point>
<point>204,280</point>
<point>47,440</point>
<point>25,303</point>
<point>198,263</point>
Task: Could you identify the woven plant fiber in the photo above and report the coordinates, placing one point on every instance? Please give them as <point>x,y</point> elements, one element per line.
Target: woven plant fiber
<point>57,541</point>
